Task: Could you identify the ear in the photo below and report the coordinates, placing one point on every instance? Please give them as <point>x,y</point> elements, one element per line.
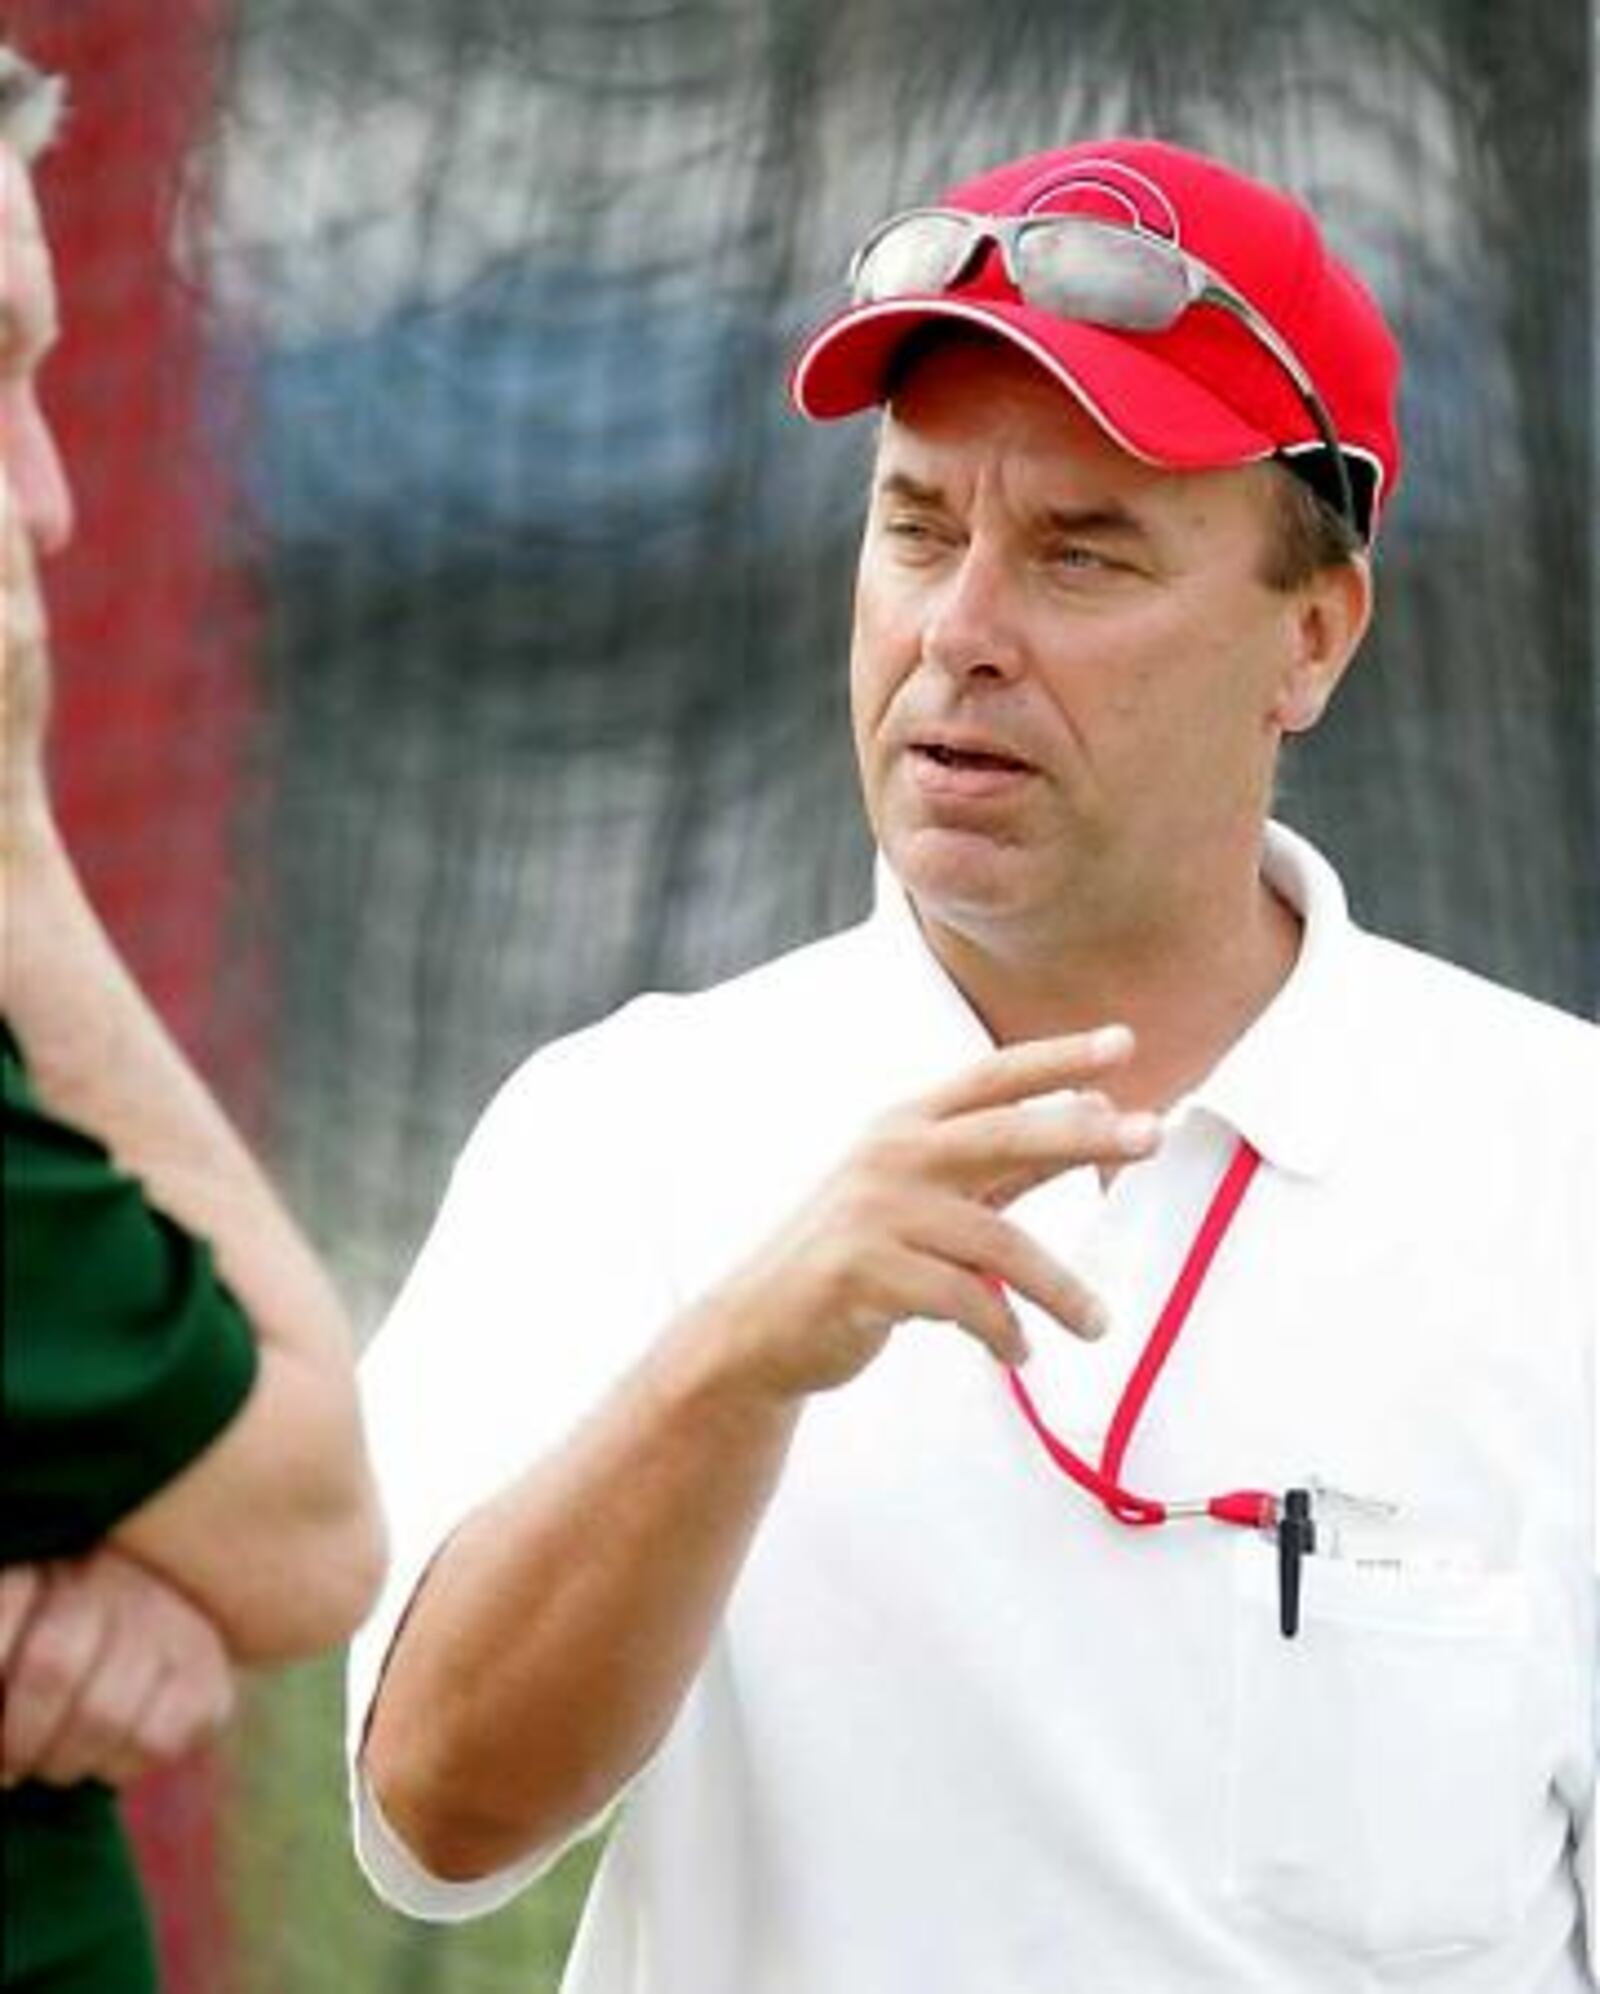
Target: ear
<point>1328,617</point>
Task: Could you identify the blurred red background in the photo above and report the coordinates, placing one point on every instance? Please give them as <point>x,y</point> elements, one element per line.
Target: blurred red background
<point>152,621</point>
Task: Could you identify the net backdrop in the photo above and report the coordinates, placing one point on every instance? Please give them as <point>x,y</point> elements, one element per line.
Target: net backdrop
<point>454,642</point>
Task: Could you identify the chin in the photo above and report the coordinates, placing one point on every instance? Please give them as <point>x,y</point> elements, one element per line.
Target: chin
<point>960,878</point>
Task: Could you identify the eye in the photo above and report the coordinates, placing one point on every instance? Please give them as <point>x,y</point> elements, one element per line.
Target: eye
<point>1074,557</point>
<point>915,535</point>
<point>1078,561</point>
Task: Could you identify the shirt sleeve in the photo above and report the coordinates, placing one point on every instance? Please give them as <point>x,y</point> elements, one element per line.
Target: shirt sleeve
<point>543,1279</point>
<point>125,1355</point>
<point>1588,1851</point>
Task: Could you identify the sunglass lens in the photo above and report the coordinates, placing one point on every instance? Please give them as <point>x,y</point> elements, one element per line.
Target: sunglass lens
<point>1105,276</point>
<point>917,254</point>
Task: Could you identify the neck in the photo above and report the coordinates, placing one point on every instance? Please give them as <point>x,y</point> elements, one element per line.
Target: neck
<point>1188,991</point>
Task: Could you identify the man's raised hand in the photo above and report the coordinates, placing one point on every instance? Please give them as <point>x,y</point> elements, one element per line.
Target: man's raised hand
<point>912,1222</point>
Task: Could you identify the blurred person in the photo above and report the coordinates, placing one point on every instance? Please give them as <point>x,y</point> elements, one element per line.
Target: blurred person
<point>1042,1443</point>
<point>186,1482</point>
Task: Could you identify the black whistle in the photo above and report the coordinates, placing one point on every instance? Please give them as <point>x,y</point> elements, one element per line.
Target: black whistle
<point>1297,1538</point>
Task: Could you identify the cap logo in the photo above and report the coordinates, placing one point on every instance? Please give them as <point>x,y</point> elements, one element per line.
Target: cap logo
<point>1107,190</point>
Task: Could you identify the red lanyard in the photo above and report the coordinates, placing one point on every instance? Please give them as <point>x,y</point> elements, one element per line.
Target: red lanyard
<point>1253,1508</point>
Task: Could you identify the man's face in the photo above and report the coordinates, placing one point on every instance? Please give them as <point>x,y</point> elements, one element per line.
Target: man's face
<point>35,481</point>
<point>1068,680</point>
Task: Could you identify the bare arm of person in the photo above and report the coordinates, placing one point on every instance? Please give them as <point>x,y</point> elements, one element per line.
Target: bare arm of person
<point>108,1671</point>
<point>552,1640</point>
<point>274,1531</point>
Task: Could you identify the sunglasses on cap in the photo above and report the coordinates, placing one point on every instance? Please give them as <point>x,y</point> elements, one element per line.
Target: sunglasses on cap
<point>1076,268</point>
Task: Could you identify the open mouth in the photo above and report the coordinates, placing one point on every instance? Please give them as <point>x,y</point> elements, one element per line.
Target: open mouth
<point>970,758</point>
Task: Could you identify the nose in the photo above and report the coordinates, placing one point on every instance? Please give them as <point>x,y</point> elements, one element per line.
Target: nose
<point>971,627</point>
<point>35,474</point>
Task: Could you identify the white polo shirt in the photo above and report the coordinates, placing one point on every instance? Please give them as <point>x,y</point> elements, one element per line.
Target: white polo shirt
<point>959,1731</point>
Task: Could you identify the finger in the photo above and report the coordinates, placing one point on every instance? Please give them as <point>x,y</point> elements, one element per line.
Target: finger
<point>188,1710</point>
<point>927,1284</point>
<point>162,1729</point>
<point>984,1242</point>
<point>56,1655</point>
<point>1037,1066</point>
<point>21,1587</point>
<point>97,1737</point>
<point>1000,1152</point>
<point>161,1681</point>
<point>118,1756</point>
<point>1131,1143</point>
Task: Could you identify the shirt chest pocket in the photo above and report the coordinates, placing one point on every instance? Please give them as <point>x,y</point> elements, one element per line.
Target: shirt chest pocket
<point>1382,1774</point>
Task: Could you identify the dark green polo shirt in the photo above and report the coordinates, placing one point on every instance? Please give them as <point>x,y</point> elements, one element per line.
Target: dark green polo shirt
<point>125,1356</point>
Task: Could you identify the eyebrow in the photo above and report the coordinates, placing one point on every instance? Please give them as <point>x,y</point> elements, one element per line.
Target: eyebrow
<point>901,485</point>
<point>1108,519</point>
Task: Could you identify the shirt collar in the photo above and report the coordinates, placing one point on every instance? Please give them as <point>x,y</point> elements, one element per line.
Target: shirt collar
<point>1282,1084</point>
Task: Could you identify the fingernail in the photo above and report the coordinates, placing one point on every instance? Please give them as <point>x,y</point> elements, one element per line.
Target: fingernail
<point>1096,1322</point>
<point>1111,1040</point>
<point>1140,1131</point>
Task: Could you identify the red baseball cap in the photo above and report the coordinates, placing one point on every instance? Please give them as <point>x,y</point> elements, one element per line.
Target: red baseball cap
<point>1203,394</point>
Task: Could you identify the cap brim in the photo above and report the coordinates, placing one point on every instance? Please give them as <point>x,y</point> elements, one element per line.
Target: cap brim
<point>1147,406</point>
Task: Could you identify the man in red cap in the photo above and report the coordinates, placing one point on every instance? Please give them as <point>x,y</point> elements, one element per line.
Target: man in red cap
<point>1216,1613</point>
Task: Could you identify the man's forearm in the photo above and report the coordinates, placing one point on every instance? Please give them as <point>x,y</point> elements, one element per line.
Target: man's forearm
<point>101,1059</point>
<point>554,1637</point>
<point>274,1531</point>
